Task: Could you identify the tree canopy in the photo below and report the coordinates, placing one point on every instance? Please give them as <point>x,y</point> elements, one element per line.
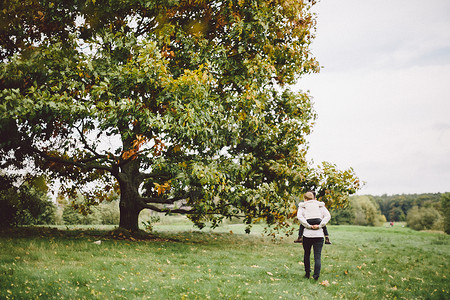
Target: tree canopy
<point>184,106</point>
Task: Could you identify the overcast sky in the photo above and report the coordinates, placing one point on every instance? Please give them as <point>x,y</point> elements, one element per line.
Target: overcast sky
<point>383,95</point>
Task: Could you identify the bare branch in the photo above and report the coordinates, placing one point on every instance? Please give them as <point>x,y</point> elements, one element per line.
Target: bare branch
<point>84,141</point>
<point>96,154</point>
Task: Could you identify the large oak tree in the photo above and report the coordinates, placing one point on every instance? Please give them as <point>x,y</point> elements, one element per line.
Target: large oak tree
<point>184,106</point>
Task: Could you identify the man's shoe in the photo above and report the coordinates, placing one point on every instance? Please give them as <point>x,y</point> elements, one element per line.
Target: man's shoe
<point>307,276</point>
<point>316,277</point>
<point>299,240</point>
<point>327,241</point>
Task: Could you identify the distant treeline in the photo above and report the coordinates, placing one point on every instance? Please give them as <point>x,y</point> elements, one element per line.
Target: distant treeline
<point>419,211</point>
<point>395,208</point>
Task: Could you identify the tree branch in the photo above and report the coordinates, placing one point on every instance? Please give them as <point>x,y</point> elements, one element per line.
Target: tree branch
<point>64,161</point>
<point>168,210</point>
<point>144,176</point>
<point>84,141</point>
<point>96,154</point>
<point>162,200</point>
<point>87,160</point>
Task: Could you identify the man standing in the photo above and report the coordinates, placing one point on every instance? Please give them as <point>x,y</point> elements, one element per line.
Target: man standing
<point>313,236</point>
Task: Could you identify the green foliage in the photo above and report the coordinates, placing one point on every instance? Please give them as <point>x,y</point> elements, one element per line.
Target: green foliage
<point>445,202</point>
<point>421,211</point>
<point>179,106</point>
<point>397,214</point>
<point>26,205</point>
<point>150,223</point>
<point>109,212</point>
<point>366,211</point>
<point>342,216</point>
<point>396,207</point>
<point>72,216</point>
<point>105,213</point>
<point>425,218</point>
<point>362,210</point>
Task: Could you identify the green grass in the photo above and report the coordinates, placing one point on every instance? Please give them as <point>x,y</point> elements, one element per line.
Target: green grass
<point>182,263</point>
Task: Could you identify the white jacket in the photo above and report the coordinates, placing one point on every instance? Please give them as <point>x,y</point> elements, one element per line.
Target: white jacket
<point>309,210</point>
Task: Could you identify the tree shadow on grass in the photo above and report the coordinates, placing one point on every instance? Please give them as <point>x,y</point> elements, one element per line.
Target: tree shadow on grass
<point>190,237</point>
<point>102,234</point>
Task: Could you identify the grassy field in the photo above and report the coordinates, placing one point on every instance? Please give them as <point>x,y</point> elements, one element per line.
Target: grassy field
<point>182,263</point>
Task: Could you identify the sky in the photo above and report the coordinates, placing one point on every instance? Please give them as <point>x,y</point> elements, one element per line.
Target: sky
<point>383,93</point>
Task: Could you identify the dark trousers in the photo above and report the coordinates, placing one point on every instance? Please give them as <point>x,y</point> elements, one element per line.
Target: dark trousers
<point>317,245</point>
<point>315,221</point>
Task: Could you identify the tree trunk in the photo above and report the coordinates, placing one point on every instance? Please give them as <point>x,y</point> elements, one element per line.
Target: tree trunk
<point>129,205</point>
<point>129,215</point>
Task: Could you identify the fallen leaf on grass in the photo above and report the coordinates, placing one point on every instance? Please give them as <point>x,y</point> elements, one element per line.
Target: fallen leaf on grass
<point>325,283</point>
<point>269,273</point>
<point>98,242</point>
<point>274,279</point>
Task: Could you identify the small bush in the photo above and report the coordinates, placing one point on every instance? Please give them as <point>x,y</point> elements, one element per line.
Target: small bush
<point>445,203</point>
<point>25,205</point>
<point>148,225</point>
<point>106,213</point>
<point>362,210</point>
<point>424,218</point>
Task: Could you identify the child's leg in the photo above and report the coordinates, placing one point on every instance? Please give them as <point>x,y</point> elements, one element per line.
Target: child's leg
<point>300,230</point>
<point>300,234</point>
<point>325,233</point>
<point>325,230</point>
